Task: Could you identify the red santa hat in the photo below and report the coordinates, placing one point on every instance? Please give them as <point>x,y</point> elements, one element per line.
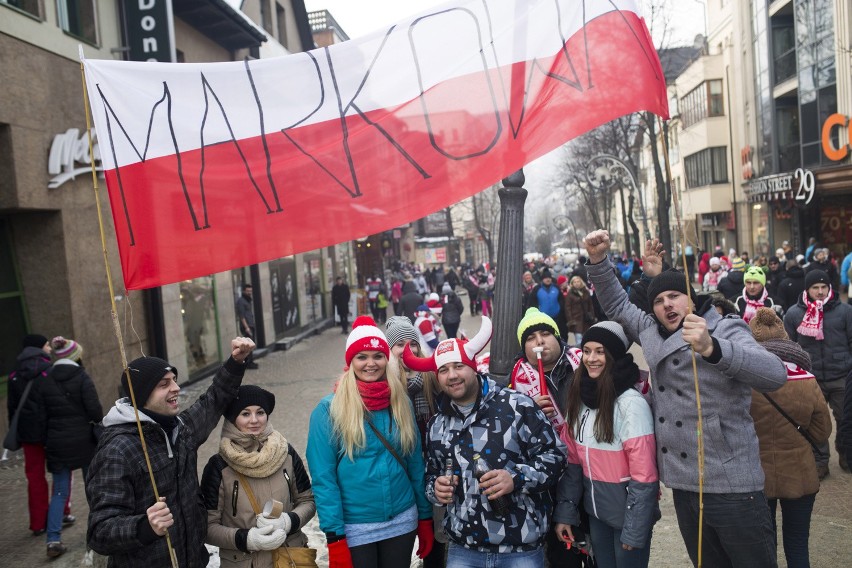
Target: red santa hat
<point>435,306</point>
<point>365,336</point>
<point>451,351</point>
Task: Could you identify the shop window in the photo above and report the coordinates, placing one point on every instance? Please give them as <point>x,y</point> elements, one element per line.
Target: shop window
<point>13,325</point>
<point>78,18</point>
<point>28,6</point>
<point>200,324</point>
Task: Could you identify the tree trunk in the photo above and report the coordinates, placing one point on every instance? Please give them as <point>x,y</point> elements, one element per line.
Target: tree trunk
<point>637,238</point>
<point>624,225</point>
<point>664,194</point>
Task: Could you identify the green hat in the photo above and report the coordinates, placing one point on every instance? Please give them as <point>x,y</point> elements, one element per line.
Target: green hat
<point>755,274</point>
<point>533,321</point>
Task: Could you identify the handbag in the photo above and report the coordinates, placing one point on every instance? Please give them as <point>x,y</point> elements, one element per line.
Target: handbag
<point>11,442</point>
<point>286,556</point>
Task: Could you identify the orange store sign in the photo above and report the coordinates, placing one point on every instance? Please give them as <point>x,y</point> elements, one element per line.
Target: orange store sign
<point>832,153</point>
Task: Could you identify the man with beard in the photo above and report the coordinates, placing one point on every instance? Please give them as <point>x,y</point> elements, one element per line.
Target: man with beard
<point>737,527</point>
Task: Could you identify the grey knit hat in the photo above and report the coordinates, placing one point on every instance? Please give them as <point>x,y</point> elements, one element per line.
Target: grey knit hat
<point>399,328</point>
<point>611,335</point>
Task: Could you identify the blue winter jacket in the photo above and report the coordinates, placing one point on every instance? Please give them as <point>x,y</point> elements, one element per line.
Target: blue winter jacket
<point>373,487</point>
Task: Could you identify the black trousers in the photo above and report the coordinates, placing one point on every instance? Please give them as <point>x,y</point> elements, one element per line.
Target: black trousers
<point>391,553</point>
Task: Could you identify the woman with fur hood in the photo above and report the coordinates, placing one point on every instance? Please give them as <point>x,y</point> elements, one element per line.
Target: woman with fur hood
<point>785,454</point>
<point>255,464</point>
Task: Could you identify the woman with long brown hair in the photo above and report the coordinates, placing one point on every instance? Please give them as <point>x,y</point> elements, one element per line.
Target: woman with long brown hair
<point>611,454</point>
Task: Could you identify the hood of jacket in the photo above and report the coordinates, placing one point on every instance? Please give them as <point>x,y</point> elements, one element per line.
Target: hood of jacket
<point>795,273</point>
<point>64,370</point>
<point>122,413</point>
<point>31,362</point>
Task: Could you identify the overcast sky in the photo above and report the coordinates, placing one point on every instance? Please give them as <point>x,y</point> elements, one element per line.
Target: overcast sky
<point>360,17</point>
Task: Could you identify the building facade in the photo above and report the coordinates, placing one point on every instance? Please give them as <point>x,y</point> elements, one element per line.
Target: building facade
<point>52,273</point>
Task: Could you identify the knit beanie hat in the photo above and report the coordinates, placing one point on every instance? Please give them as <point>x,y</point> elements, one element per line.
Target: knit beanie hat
<point>533,321</point>
<point>365,336</point>
<point>446,288</point>
<point>250,395</point>
<point>754,273</point>
<point>562,279</point>
<point>399,328</point>
<point>714,261</point>
<point>546,274</point>
<point>145,374</point>
<point>611,336</point>
<point>738,264</point>
<point>65,349</point>
<point>34,340</point>
<point>766,325</point>
<point>671,279</point>
<point>815,277</point>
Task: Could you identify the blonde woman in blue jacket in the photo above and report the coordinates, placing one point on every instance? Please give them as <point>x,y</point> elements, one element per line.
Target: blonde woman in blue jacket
<point>370,497</point>
<point>612,462</point>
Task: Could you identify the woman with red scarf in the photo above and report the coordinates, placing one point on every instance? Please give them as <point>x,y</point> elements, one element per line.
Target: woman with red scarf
<point>365,459</point>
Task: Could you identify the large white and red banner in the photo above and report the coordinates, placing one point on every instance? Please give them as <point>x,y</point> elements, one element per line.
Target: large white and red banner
<point>218,165</point>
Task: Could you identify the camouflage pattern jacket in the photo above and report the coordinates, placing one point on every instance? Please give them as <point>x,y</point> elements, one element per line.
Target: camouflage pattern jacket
<point>510,432</point>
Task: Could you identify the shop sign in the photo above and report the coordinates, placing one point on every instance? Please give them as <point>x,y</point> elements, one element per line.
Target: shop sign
<point>798,185</point>
<point>150,30</point>
<point>835,225</point>
<point>436,255</point>
<point>69,157</point>
<point>832,153</point>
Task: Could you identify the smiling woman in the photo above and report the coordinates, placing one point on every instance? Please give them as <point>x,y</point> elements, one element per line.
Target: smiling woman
<point>366,463</point>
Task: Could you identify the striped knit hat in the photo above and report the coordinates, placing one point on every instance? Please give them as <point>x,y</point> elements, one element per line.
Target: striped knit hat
<point>66,349</point>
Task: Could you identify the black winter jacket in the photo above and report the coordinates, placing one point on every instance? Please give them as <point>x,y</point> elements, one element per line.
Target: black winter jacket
<point>844,433</point>
<point>453,309</point>
<point>790,289</point>
<point>731,285</point>
<point>31,363</point>
<point>69,403</point>
<point>831,358</point>
<point>119,490</point>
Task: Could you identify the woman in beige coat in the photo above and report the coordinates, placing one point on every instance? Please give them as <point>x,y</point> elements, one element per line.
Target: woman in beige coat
<point>786,456</point>
<point>252,452</point>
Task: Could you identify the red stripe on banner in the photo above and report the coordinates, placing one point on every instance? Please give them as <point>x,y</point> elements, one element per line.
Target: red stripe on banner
<point>231,205</point>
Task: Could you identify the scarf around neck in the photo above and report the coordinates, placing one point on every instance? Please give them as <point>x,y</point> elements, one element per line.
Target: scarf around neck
<point>256,456</point>
<point>812,321</point>
<point>752,305</point>
<point>376,396</point>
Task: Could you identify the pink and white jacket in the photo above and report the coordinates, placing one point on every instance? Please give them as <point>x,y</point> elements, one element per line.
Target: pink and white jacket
<point>617,481</point>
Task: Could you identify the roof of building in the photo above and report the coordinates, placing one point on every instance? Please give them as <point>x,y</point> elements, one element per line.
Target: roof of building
<point>675,60</point>
<point>221,22</point>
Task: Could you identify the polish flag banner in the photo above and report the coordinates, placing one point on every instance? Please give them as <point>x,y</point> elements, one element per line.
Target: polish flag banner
<point>214,166</point>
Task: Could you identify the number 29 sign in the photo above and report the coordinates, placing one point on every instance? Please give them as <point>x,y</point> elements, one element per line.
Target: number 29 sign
<point>805,191</point>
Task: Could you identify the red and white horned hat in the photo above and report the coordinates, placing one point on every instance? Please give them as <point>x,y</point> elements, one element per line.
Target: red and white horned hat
<point>450,351</point>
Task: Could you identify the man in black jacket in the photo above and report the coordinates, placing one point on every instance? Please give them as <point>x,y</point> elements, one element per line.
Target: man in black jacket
<point>791,287</point>
<point>126,523</point>
<point>340,298</point>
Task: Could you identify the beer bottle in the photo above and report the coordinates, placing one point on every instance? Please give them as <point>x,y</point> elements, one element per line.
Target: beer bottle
<point>501,505</point>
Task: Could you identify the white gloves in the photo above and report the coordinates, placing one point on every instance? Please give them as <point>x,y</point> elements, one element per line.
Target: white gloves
<point>283,522</point>
<point>265,538</point>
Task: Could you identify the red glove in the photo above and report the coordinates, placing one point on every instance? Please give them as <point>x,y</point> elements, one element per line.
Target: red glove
<point>425,537</point>
<point>338,555</point>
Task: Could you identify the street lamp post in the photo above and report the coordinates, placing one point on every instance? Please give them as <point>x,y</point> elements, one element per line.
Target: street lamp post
<point>507,287</point>
<point>614,170</point>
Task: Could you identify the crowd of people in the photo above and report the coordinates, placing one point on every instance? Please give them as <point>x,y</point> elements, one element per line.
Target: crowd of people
<point>417,449</point>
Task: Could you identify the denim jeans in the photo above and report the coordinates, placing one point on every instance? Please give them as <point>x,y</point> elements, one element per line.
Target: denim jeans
<point>606,545</point>
<point>737,529</point>
<point>56,510</point>
<point>795,528</point>
<point>461,557</point>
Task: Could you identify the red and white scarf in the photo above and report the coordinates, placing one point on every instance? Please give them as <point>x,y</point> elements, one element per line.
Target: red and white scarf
<point>812,322</point>
<point>752,305</point>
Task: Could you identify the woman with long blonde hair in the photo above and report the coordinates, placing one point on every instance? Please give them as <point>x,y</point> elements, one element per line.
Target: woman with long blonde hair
<point>364,453</point>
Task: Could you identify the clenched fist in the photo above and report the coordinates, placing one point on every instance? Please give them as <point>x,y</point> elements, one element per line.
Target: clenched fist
<point>241,347</point>
<point>597,245</point>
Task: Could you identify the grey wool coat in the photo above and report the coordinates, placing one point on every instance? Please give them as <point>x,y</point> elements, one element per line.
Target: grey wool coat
<point>731,451</point>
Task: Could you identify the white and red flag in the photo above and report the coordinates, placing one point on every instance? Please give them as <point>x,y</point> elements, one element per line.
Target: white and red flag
<point>212,166</point>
